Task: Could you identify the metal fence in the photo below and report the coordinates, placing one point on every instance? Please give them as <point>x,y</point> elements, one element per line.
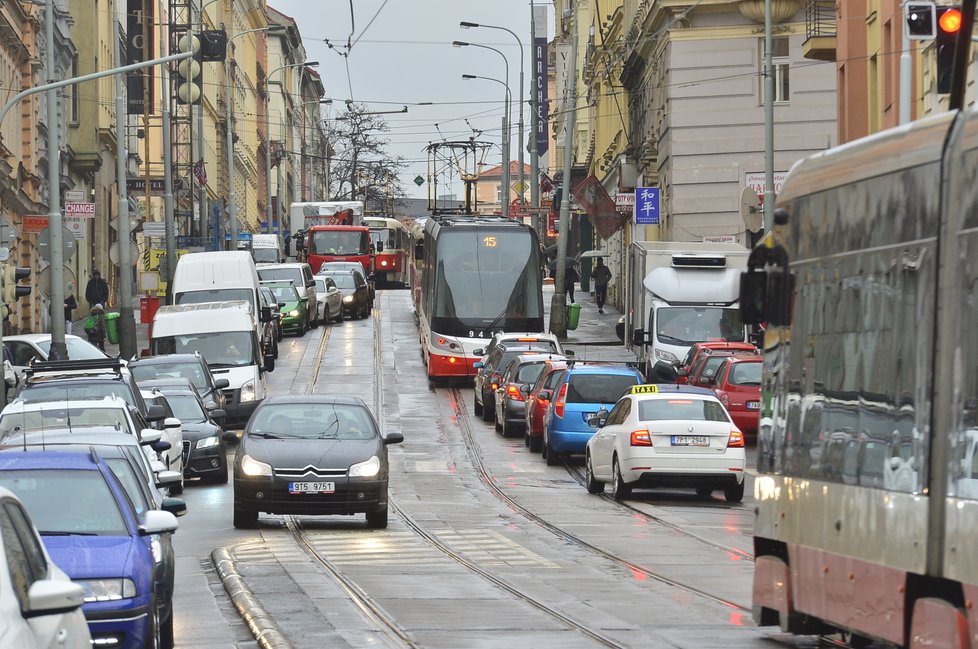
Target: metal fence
<point>820,19</point>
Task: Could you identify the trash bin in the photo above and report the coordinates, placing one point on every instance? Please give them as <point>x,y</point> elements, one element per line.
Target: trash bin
<point>573,315</point>
<point>112,327</point>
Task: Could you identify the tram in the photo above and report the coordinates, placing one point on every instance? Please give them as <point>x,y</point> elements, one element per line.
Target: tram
<point>867,507</point>
<point>478,275</point>
<point>391,244</point>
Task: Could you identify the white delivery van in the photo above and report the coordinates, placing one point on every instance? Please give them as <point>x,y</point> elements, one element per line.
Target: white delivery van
<point>267,249</point>
<point>225,334</point>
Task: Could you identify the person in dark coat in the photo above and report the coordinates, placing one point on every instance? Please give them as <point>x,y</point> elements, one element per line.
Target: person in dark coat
<point>70,305</point>
<point>602,276</point>
<point>97,290</point>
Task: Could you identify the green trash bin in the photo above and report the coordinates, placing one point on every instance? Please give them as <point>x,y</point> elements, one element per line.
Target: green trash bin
<point>112,327</point>
<point>573,315</point>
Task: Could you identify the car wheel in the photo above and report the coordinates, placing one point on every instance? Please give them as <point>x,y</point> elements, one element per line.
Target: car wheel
<point>734,493</point>
<point>508,428</point>
<point>303,329</point>
<point>476,407</point>
<point>275,350</point>
<point>152,640</point>
<point>526,438</point>
<point>315,323</point>
<point>339,314</point>
<point>177,489</point>
<point>549,454</point>
<point>536,444</point>
<point>619,489</point>
<point>245,517</point>
<point>593,486</point>
<point>278,334</point>
<point>377,520</point>
<point>704,492</point>
<point>166,632</point>
<point>488,413</point>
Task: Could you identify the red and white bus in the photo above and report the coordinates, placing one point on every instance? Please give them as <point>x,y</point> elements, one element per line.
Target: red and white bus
<point>391,244</point>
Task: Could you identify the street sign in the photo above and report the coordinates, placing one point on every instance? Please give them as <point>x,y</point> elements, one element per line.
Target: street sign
<point>75,196</point>
<point>154,229</point>
<point>520,210</point>
<point>519,187</point>
<point>537,210</point>
<point>80,210</point>
<point>647,205</point>
<point>67,244</point>
<point>157,185</point>
<point>77,226</point>
<point>419,180</point>
<point>44,281</point>
<point>114,253</point>
<point>35,223</point>
<point>625,202</point>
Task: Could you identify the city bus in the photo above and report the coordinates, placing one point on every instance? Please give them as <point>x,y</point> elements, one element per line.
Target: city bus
<point>391,246</point>
<point>479,275</point>
<point>867,287</point>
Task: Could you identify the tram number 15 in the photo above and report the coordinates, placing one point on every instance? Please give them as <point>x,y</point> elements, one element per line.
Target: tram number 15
<point>489,242</point>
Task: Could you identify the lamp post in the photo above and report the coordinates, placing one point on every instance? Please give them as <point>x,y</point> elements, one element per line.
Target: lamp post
<point>506,120</point>
<point>232,205</point>
<point>197,114</point>
<point>522,141</point>
<point>268,148</point>
<point>505,142</point>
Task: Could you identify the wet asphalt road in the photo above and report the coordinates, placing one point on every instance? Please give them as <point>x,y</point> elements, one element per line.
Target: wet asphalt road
<point>487,546</point>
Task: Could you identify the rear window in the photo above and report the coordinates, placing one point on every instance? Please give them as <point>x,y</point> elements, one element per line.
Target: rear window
<point>710,366</point>
<point>598,388</point>
<point>692,409</point>
<point>745,374</point>
<point>507,357</point>
<point>295,274</point>
<point>529,373</point>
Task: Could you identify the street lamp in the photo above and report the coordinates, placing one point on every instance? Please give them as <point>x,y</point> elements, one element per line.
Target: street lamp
<point>519,149</point>
<point>232,205</point>
<point>268,149</point>
<point>505,144</point>
<point>506,120</point>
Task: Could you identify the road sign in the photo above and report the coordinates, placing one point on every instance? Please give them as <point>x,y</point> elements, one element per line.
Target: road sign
<point>67,244</point>
<point>77,226</point>
<point>647,205</point>
<point>520,211</point>
<point>114,253</point>
<point>519,187</point>
<point>80,210</point>
<point>44,281</point>
<point>154,229</point>
<point>75,196</point>
<point>35,222</point>
<point>419,180</point>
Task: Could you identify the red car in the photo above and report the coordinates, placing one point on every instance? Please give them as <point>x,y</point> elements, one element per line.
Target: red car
<point>703,373</point>
<point>738,386</point>
<point>537,401</point>
<point>712,345</point>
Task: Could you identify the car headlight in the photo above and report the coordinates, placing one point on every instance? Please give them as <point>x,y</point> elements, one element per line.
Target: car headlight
<point>294,313</point>
<point>208,442</point>
<point>252,467</point>
<point>668,357</point>
<point>248,392</point>
<point>107,590</point>
<point>367,469</point>
<point>348,299</point>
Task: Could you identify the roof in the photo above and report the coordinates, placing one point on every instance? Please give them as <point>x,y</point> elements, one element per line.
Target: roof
<point>92,435</point>
<point>35,338</point>
<point>20,404</point>
<point>672,389</point>
<point>166,358</point>
<point>497,171</point>
<point>600,368</point>
<point>47,460</point>
<point>313,398</point>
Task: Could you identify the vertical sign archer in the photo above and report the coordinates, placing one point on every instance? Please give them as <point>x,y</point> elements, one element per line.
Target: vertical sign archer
<point>540,69</point>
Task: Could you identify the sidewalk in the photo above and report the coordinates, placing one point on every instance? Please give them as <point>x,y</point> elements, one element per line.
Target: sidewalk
<point>595,337</point>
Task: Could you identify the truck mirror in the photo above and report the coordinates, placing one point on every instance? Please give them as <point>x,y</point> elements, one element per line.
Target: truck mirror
<point>380,246</point>
<point>753,296</point>
<point>638,338</point>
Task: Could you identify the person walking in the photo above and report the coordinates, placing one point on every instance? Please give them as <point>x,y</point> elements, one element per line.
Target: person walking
<point>602,276</point>
<point>97,290</point>
<point>570,277</point>
<point>70,305</point>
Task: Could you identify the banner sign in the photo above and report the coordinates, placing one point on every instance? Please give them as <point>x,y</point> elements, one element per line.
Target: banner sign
<point>540,65</point>
<point>593,198</point>
<point>136,51</point>
<point>647,205</point>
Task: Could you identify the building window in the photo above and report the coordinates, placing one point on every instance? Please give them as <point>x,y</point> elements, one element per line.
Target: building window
<point>74,117</point>
<point>782,67</point>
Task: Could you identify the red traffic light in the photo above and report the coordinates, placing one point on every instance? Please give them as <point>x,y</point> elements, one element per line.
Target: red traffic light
<point>950,21</point>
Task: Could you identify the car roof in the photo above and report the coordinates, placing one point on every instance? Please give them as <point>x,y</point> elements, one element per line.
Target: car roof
<point>168,381</point>
<point>667,390</point>
<point>166,358</point>
<point>538,358</point>
<point>91,435</point>
<point>35,338</point>
<point>313,398</point>
<point>48,460</point>
<point>26,405</point>
<point>593,367</point>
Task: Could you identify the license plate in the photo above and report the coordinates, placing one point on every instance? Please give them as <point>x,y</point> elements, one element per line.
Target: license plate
<point>312,487</point>
<point>690,440</point>
<point>753,405</point>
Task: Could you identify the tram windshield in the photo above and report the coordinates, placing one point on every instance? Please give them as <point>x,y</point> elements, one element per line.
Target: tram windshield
<point>485,281</point>
<point>338,242</point>
<point>386,237</point>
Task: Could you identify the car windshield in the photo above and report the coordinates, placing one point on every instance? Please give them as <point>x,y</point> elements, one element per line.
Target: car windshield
<point>745,374</point>
<point>186,407</point>
<point>189,370</point>
<point>293,273</point>
<point>599,388</point>
<point>681,409</point>
<point>78,349</point>
<point>221,349</point>
<point>685,325</point>
<point>710,367</point>
<point>216,295</point>
<point>265,255</point>
<point>57,416</point>
<point>285,293</point>
<point>72,390</point>
<point>64,502</point>
<point>343,280</point>
<point>508,355</point>
<point>313,421</point>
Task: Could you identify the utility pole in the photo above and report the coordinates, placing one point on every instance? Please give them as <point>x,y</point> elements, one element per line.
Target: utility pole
<point>534,125</point>
<point>558,305</point>
<point>55,228</point>
<point>768,121</point>
<point>171,247</point>
<point>127,324</point>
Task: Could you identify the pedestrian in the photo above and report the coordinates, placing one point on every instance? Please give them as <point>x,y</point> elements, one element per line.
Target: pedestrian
<point>95,327</point>
<point>602,276</point>
<point>70,305</point>
<point>97,290</point>
<point>570,277</point>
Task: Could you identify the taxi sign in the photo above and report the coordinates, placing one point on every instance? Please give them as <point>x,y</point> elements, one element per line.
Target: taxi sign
<point>644,389</point>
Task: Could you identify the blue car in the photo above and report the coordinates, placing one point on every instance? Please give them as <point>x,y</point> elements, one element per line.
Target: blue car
<point>92,532</point>
<point>581,392</point>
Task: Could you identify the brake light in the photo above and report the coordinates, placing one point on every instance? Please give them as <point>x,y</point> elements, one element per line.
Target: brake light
<point>641,438</point>
<point>513,392</point>
<point>493,385</point>
<point>560,401</point>
<point>528,340</point>
<point>736,439</point>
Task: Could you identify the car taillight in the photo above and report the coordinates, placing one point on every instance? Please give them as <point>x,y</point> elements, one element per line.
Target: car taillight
<point>560,401</point>
<point>736,439</point>
<point>493,385</point>
<point>513,392</point>
<point>641,438</point>
<point>725,400</point>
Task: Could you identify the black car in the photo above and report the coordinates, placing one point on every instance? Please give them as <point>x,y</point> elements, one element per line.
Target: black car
<point>356,293</point>
<point>276,315</point>
<point>312,455</point>
<point>204,441</point>
<point>152,369</point>
<point>490,373</point>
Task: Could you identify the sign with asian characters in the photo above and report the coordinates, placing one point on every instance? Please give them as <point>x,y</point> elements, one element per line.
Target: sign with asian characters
<point>647,205</point>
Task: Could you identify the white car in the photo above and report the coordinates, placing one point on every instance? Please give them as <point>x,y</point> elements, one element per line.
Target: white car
<point>40,607</point>
<point>540,339</point>
<point>26,347</point>
<point>667,435</point>
<point>172,458</point>
<point>330,299</point>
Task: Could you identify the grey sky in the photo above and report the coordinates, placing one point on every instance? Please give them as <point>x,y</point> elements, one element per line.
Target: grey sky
<point>405,56</point>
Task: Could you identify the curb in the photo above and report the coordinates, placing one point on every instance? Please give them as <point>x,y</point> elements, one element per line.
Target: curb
<point>260,623</point>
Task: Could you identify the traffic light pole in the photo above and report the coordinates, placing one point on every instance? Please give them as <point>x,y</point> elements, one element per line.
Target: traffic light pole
<point>56,274</point>
<point>171,254</point>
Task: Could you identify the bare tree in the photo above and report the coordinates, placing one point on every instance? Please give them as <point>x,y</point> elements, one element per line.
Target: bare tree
<point>362,168</point>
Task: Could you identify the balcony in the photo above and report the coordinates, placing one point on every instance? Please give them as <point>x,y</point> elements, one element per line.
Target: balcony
<point>820,30</point>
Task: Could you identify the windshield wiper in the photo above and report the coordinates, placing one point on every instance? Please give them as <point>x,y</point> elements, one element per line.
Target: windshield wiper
<point>224,364</point>
<point>49,533</point>
<point>672,340</point>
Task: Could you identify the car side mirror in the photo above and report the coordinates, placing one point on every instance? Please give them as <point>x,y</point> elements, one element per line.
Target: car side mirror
<point>479,352</point>
<point>155,413</point>
<point>682,371</point>
<point>568,352</point>
<point>161,446</point>
<point>166,478</point>
<point>310,284</point>
<point>172,422</point>
<point>156,521</point>
<point>51,597</point>
<point>222,383</point>
<point>638,338</point>
<point>269,362</point>
<point>478,365</point>
<point>149,436</point>
<point>281,304</point>
<point>597,421</point>
<point>525,389</point>
<point>218,413</point>
<point>393,438</point>
<point>545,395</point>
<point>176,506</point>
<point>230,436</point>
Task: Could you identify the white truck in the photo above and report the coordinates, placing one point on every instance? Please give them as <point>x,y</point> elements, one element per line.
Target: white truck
<point>680,293</point>
<point>267,249</point>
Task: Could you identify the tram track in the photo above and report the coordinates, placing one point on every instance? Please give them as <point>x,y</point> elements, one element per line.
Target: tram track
<point>485,476</point>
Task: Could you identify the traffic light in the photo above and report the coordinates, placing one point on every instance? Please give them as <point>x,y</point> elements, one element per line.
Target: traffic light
<point>921,20</point>
<point>188,80</point>
<point>11,291</point>
<point>948,26</point>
